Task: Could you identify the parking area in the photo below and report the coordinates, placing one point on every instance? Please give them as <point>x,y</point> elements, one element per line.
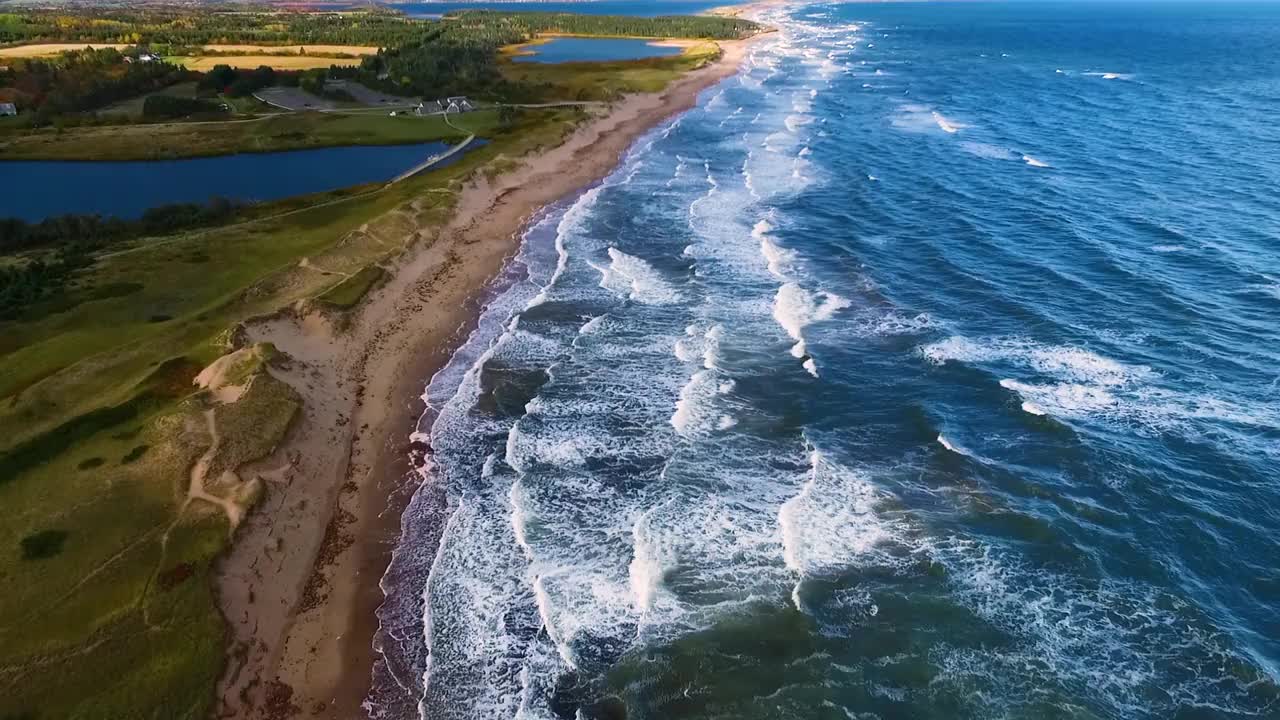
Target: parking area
<point>292,98</point>
<point>367,96</point>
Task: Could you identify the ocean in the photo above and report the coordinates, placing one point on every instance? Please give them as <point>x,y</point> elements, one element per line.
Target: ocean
<point>930,368</point>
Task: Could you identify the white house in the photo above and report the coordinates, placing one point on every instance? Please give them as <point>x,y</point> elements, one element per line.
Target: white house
<point>458,103</point>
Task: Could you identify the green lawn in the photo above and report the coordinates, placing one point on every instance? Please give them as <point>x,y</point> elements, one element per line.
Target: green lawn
<point>132,108</point>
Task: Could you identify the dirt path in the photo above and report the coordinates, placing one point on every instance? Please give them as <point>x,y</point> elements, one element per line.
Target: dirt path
<point>200,478</point>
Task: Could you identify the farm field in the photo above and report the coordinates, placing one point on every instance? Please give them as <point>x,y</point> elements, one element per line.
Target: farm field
<point>43,49</point>
<point>204,63</point>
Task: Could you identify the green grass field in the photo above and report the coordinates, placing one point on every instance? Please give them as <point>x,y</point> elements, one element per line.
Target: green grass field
<point>108,609</point>
<point>284,131</point>
<point>132,108</point>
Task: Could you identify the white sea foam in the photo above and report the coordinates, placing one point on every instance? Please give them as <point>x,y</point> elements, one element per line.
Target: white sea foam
<point>796,308</point>
<point>651,559</point>
<point>629,276</point>
<point>1111,75</point>
<point>1168,248</point>
<point>986,150</point>
<point>696,412</point>
<point>793,123</point>
<point>777,259</point>
<point>810,366</point>
<point>947,126</point>
<point>1034,162</point>
<point>1137,649</point>
<point>1060,361</point>
<point>944,442</point>
<point>593,325</point>
<point>921,118</point>
<point>1076,384</point>
<point>883,324</point>
<point>831,523</point>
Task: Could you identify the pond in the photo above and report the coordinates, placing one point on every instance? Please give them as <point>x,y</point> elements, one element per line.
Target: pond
<point>42,189</point>
<point>575,49</point>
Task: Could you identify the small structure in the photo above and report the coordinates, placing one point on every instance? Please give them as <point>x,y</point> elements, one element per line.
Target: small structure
<point>458,103</point>
<point>147,57</point>
<point>8,109</point>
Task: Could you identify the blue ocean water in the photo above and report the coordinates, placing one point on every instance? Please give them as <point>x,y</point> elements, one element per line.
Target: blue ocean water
<point>927,369</point>
<point>574,49</point>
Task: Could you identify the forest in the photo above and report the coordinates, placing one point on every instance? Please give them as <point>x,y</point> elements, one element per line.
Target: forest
<point>192,26</point>
<point>81,80</point>
<point>457,55</point>
<point>460,54</point>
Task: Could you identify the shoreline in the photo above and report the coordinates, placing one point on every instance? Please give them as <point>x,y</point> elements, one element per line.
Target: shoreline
<point>300,634</point>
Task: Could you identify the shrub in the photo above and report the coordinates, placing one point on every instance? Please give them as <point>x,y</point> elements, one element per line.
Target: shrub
<point>135,454</point>
<point>43,545</point>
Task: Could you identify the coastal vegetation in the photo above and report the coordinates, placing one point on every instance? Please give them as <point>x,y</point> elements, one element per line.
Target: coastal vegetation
<point>134,415</point>
<point>108,367</point>
<point>81,80</point>
<point>461,54</point>
<point>193,26</point>
<point>268,133</point>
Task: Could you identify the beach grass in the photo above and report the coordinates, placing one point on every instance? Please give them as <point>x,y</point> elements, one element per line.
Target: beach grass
<point>107,560</point>
<point>348,293</point>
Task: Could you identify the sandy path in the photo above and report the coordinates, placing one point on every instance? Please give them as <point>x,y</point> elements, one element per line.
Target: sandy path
<point>300,586</point>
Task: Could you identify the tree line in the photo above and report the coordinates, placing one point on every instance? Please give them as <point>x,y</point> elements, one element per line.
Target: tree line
<point>481,22</point>
<point>74,239</point>
<point>81,80</point>
<point>195,26</point>
<point>459,55</point>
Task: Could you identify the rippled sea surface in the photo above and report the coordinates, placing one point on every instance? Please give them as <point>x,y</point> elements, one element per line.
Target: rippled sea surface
<point>928,369</point>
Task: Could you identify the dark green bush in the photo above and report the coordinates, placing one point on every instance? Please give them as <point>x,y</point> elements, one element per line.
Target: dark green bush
<point>43,545</point>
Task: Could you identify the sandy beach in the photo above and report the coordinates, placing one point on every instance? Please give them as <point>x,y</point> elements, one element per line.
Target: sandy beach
<point>299,587</point>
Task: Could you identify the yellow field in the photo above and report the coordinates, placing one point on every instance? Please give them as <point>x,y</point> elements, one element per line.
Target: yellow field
<point>42,49</point>
<point>296,49</point>
<point>53,48</point>
<point>279,62</point>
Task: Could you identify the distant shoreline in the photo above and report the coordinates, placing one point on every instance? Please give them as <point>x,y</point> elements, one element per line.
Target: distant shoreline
<point>368,380</point>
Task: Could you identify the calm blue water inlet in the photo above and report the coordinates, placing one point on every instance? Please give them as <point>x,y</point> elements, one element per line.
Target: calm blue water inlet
<point>930,369</point>
<point>571,49</point>
<point>127,189</point>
